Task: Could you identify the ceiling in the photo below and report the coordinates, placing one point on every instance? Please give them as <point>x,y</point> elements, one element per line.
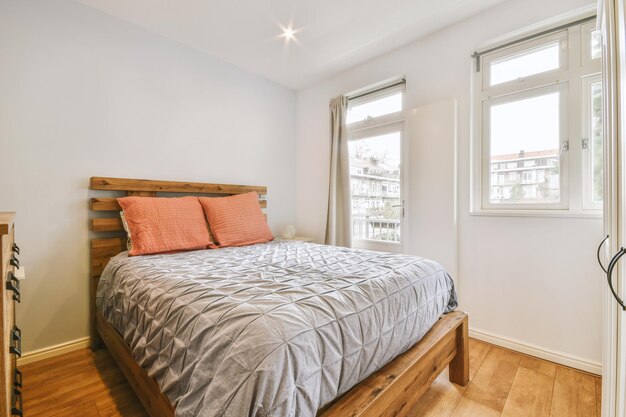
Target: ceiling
<point>332,35</point>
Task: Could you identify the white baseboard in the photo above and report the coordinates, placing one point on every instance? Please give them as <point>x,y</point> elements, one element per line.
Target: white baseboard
<point>52,351</point>
<point>537,351</point>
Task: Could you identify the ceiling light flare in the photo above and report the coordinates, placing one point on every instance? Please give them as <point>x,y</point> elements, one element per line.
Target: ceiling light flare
<point>289,33</point>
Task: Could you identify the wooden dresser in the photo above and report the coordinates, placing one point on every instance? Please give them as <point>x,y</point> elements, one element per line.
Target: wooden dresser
<point>11,337</point>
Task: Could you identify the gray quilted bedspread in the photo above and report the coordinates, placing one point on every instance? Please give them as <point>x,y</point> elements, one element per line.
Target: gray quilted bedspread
<point>275,329</point>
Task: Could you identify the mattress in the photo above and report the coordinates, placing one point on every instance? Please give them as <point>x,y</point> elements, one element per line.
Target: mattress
<point>274,329</point>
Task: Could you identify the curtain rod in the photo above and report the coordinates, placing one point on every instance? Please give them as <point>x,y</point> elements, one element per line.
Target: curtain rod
<point>401,82</point>
<point>476,55</point>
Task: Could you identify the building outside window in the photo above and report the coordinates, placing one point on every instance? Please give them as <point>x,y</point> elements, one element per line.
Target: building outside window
<point>533,177</point>
<point>375,184</point>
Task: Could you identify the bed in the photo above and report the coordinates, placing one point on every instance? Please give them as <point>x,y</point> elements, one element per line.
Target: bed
<point>272,329</point>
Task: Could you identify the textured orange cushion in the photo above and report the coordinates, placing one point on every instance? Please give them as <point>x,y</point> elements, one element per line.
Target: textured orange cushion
<point>236,220</point>
<point>160,225</point>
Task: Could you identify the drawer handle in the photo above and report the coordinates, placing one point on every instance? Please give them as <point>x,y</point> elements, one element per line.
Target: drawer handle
<point>17,378</point>
<point>15,248</point>
<point>14,261</point>
<point>13,284</point>
<point>16,336</point>
<point>16,407</point>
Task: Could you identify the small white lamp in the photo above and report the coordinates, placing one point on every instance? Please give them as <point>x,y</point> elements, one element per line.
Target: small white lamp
<point>289,232</point>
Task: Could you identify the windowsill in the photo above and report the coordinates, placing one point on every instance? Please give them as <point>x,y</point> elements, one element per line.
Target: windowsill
<point>587,214</point>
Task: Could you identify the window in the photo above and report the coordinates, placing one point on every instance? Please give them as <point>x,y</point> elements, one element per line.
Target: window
<point>534,61</point>
<point>524,141</point>
<point>596,44</point>
<point>591,44</point>
<point>375,108</point>
<point>592,141</point>
<point>375,127</point>
<point>530,98</point>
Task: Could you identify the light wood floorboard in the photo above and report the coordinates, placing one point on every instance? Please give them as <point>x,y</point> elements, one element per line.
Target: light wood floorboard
<point>574,394</point>
<point>503,384</point>
<point>532,389</point>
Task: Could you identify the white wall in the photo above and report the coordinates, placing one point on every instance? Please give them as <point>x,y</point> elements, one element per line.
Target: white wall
<point>533,280</point>
<point>432,222</point>
<point>84,94</point>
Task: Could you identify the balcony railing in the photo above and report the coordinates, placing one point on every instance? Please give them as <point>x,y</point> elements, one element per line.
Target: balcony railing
<point>386,230</point>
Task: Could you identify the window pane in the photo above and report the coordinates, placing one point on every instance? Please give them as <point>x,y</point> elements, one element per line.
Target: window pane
<point>375,108</point>
<point>596,44</point>
<point>596,142</point>
<point>531,62</point>
<point>375,185</point>
<point>525,150</point>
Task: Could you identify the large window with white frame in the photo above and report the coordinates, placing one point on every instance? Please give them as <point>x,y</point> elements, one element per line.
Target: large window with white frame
<point>375,123</point>
<point>538,128</point>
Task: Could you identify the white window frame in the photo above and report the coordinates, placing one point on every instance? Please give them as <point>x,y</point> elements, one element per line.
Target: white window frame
<point>377,126</point>
<point>573,69</point>
<point>588,203</point>
<point>562,204</point>
<point>517,50</point>
<point>380,120</point>
<point>585,58</point>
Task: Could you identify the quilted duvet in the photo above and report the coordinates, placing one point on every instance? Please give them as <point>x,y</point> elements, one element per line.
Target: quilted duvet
<point>274,329</point>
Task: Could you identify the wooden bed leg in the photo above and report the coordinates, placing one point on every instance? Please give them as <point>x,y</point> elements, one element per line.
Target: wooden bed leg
<point>96,341</point>
<point>459,366</point>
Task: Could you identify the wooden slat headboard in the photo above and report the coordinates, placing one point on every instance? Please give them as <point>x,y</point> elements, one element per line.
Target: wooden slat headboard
<point>105,220</point>
<point>104,248</point>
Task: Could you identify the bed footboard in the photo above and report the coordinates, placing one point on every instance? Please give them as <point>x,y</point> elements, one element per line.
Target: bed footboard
<point>394,389</point>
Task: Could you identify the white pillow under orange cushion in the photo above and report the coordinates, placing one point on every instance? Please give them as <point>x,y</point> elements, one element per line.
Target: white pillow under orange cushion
<point>129,240</point>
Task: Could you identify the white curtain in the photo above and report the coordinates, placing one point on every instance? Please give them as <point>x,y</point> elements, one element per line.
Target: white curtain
<point>339,221</point>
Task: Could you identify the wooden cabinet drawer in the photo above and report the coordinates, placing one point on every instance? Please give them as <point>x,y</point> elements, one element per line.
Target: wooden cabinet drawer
<point>11,347</point>
<point>11,338</point>
<point>16,386</point>
<point>16,403</point>
<point>16,395</point>
<point>10,335</point>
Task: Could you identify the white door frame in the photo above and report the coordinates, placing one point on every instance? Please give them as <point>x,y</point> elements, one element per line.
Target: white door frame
<point>611,16</point>
<point>397,126</point>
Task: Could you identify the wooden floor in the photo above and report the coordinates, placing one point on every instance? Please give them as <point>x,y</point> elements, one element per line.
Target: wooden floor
<point>503,383</point>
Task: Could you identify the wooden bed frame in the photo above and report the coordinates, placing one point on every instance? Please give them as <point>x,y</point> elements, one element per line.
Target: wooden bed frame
<point>391,391</point>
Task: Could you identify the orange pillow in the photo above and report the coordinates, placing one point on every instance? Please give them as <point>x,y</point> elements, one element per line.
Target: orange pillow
<point>236,220</point>
<point>160,225</point>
